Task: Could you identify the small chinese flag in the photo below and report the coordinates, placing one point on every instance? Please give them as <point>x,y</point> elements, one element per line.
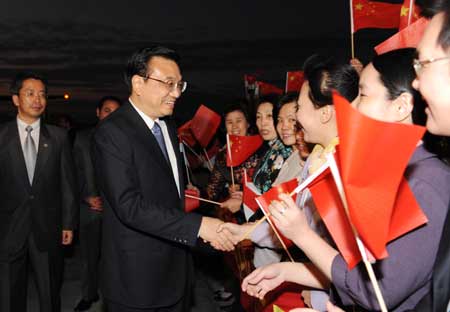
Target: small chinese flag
<point>375,14</point>
<point>204,125</point>
<point>266,199</point>
<point>408,37</point>
<point>264,88</point>
<point>185,134</point>
<point>294,81</point>
<point>191,204</point>
<point>409,13</point>
<point>240,148</point>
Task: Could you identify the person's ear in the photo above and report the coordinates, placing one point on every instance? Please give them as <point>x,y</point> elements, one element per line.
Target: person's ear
<point>15,99</point>
<point>137,83</point>
<point>326,113</point>
<point>403,106</point>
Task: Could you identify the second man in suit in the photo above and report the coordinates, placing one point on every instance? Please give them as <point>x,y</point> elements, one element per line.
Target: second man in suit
<point>91,207</point>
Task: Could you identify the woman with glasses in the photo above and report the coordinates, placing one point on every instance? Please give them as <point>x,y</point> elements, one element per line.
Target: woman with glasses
<point>404,277</point>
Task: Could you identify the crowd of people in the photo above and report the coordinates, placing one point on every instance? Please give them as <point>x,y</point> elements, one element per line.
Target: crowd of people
<point>119,189</point>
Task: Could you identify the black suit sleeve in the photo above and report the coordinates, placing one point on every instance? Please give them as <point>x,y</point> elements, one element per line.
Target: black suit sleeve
<point>69,193</point>
<point>121,176</point>
<point>84,166</point>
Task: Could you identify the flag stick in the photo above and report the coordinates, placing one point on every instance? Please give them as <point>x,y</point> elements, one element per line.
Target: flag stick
<point>276,232</point>
<point>202,199</point>
<point>186,162</point>
<point>250,230</point>
<point>352,30</point>
<point>410,12</point>
<point>337,178</point>
<point>210,166</point>
<point>229,155</point>
<point>193,152</point>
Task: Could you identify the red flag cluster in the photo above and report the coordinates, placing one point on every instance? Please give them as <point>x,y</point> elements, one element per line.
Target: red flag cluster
<point>381,206</point>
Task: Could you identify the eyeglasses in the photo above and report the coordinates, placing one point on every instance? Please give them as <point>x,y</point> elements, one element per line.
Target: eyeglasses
<point>172,86</point>
<point>419,65</point>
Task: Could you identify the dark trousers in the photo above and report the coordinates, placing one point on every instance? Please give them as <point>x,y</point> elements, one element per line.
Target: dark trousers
<point>47,269</point>
<point>182,306</point>
<point>90,242</point>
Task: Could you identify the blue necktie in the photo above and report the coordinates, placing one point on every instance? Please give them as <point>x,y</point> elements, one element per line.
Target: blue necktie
<point>159,137</point>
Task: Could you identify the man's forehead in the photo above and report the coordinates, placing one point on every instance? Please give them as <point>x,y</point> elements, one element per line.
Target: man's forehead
<point>166,67</point>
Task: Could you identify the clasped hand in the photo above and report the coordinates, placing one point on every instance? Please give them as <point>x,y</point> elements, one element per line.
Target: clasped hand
<point>218,237</point>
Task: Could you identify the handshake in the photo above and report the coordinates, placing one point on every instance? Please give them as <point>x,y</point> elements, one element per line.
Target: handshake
<point>222,236</point>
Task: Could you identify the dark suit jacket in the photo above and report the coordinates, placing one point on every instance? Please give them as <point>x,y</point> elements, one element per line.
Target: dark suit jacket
<point>146,234</point>
<point>85,172</point>
<point>46,207</point>
<point>439,296</point>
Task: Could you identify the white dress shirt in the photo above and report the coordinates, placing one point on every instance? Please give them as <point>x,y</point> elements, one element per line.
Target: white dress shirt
<point>170,150</point>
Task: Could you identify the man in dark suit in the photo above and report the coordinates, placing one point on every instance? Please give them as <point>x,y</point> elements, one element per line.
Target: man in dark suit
<point>433,81</point>
<point>90,208</point>
<point>146,259</point>
<point>38,210</point>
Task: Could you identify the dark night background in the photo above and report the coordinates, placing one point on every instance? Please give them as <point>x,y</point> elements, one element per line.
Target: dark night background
<point>82,46</point>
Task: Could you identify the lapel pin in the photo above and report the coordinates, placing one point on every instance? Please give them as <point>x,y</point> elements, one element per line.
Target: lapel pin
<point>45,145</point>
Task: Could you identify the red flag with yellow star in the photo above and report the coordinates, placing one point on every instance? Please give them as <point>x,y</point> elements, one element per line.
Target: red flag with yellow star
<point>264,88</point>
<point>409,13</point>
<point>204,125</point>
<point>241,148</point>
<point>294,81</point>
<point>374,14</point>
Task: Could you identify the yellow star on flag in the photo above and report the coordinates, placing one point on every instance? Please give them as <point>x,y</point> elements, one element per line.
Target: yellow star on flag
<point>277,309</point>
<point>404,11</point>
<point>359,6</point>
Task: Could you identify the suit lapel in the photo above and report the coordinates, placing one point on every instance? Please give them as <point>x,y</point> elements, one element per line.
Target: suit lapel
<point>145,135</point>
<point>16,154</point>
<point>44,150</point>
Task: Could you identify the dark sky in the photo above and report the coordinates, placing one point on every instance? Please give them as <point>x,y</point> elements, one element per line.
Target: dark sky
<point>82,45</point>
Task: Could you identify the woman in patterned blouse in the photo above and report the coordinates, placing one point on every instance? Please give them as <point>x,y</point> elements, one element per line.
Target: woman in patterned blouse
<point>271,163</point>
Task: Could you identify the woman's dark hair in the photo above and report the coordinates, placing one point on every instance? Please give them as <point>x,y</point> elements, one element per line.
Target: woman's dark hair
<point>397,74</point>
<point>284,99</point>
<point>269,98</point>
<point>138,62</point>
<point>324,75</point>
<point>239,106</point>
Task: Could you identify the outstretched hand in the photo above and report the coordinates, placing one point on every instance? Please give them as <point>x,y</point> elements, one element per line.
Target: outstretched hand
<point>264,279</point>
<point>237,231</point>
